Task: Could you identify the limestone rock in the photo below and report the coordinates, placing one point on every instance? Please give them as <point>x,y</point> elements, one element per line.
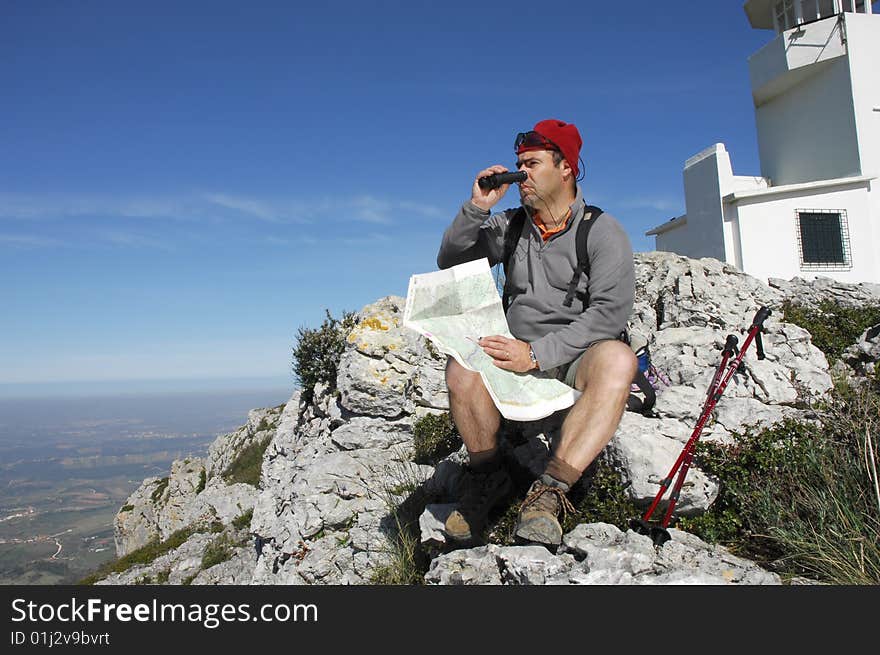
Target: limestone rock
<point>599,553</point>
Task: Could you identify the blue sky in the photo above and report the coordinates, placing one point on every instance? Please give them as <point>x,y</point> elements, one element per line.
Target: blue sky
<point>184,184</point>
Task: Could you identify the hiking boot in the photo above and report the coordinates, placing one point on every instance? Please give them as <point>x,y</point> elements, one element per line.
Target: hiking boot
<point>538,522</point>
<point>480,492</point>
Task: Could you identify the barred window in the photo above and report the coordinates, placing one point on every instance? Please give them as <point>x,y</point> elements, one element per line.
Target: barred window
<point>823,239</point>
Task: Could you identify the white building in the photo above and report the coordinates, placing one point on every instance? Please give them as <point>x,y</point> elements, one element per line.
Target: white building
<point>815,209</point>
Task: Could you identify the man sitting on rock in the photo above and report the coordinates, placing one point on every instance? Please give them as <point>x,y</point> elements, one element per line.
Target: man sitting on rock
<point>578,344</point>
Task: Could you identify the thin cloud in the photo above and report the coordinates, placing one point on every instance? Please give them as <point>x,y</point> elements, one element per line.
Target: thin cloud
<point>369,240</point>
<point>658,204</point>
<point>246,206</point>
<point>428,211</point>
<point>213,205</point>
<point>17,206</point>
<point>29,241</point>
<point>278,241</point>
<point>133,240</point>
<point>371,210</point>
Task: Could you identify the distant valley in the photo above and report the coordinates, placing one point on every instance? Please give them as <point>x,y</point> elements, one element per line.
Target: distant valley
<point>67,465</point>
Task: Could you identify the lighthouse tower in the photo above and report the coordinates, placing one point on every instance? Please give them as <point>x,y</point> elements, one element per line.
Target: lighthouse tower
<point>816,88</point>
<point>815,208</point>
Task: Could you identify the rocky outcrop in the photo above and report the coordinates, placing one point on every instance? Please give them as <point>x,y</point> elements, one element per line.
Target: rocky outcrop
<point>599,554</point>
<point>864,355</point>
<point>813,292</point>
<point>337,467</point>
<point>196,491</point>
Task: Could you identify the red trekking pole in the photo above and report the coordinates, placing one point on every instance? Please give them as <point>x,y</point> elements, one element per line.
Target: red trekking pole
<point>726,368</point>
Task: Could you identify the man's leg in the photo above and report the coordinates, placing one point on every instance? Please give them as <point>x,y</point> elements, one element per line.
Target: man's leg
<point>604,375</point>
<point>486,481</point>
<point>473,411</point>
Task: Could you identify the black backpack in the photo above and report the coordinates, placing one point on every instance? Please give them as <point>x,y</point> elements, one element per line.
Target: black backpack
<point>511,238</point>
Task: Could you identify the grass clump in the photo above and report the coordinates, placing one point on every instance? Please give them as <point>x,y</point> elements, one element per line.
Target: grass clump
<point>247,465</point>
<point>142,556</point>
<point>833,327</point>
<point>203,480</point>
<point>802,498</point>
<point>218,551</point>
<point>317,352</point>
<point>434,437</point>
<point>161,486</point>
<point>126,508</point>
<point>406,499</point>
<point>243,521</point>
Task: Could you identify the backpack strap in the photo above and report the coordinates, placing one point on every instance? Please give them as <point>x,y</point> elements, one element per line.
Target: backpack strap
<point>583,265</point>
<point>511,238</point>
<point>514,233</point>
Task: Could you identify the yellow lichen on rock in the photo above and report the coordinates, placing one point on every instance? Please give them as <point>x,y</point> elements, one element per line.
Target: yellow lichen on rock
<point>374,324</point>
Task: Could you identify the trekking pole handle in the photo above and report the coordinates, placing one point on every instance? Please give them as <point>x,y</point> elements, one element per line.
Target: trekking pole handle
<point>730,344</point>
<point>760,317</point>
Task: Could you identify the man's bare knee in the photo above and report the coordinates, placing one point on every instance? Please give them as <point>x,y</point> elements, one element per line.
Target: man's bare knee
<point>461,381</point>
<point>610,363</point>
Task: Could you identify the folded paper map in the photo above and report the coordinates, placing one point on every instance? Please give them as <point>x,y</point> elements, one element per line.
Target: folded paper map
<point>455,307</point>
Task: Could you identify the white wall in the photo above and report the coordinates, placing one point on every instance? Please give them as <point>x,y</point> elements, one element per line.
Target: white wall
<point>677,240</point>
<point>809,132</point>
<point>706,178</point>
<point>768,231</point>
<point>795,48</point>
<point>863,37</point>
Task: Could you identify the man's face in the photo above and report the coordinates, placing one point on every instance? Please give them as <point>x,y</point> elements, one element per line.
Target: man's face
<point>545,179</point>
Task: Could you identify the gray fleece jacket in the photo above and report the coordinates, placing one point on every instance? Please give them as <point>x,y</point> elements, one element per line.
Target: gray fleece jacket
<point>540,273</point>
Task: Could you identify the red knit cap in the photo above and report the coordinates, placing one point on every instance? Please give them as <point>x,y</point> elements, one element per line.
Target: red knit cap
<point>565,137</point>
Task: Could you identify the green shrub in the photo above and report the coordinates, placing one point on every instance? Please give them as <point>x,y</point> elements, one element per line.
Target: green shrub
<point>161,485</point>
<point>802,498</point>
<point>247,465</point>
<point>757,459</point>
<point>142,556</point>
<point>317,352</point>
<point>219,550</point>
<point>434,437</point>
<point>162,576</point>
<point>833,328</point>
<point>243,520</point>
<point>203,480</point>
<point>126,508</point>
<point>600,497</point>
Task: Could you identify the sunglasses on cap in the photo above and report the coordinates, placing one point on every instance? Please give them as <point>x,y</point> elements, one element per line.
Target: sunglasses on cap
<point>533,140</point>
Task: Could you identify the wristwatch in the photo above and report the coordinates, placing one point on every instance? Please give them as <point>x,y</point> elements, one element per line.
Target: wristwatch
<point>532,357</point>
